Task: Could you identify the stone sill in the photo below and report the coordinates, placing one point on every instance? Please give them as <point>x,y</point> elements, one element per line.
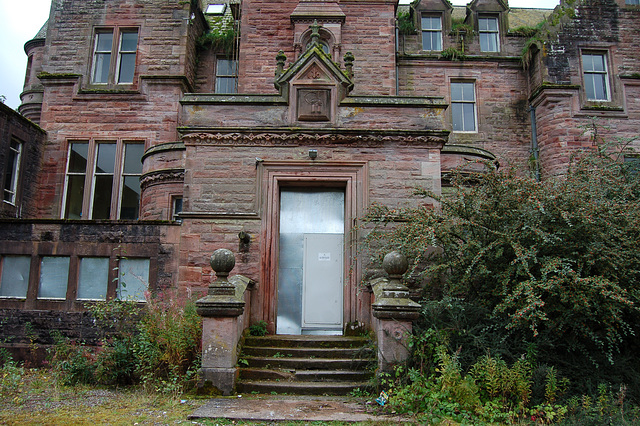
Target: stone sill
<point>219,98</point>
<point>395,101</point>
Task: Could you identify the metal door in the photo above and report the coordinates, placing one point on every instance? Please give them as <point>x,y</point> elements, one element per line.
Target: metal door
<point>311,261</point>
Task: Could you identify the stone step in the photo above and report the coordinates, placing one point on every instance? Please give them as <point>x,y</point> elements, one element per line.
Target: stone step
<point>306,341</point>
<point>299,388</point>
<point>261,374</point>
<point>291,363</point>
<point>307,352</point>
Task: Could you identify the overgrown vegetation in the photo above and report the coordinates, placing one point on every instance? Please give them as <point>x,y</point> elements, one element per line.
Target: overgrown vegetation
<point>221,36</point>
<point>406,25</point>
<point>157,346</point>
<point>531,298</point>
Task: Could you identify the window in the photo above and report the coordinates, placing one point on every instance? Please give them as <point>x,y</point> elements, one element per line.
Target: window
<point>176,209</point>
<point>463,107</point>
<point>103,180</point>
<point>632,2</point>
<point>12,171</point>
<point>215,9</point>
<point>226,76</point>
<point>489,35</point>
<point>114,57</point>
<point>596,81</point>
<point>54,277</point>
<point>93,278</point>
<point>133,279</point>
<point>14,280</point>
<point>431,32</point>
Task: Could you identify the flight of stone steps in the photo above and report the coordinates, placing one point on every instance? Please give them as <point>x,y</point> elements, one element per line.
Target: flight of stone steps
<point>305,365</point>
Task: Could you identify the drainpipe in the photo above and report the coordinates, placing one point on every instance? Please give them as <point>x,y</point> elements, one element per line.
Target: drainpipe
<point>534,143</point>
<point>397,42</point>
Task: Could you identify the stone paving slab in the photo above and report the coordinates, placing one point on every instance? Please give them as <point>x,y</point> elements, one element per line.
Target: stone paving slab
<point>292,408</point>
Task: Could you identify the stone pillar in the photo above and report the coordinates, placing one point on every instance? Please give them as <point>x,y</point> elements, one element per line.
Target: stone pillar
<point>221,309</point>
<point>393,313</point>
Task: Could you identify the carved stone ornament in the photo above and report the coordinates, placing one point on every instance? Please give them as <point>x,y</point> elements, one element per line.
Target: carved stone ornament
<point>159,177</point>
<point>368,139</point>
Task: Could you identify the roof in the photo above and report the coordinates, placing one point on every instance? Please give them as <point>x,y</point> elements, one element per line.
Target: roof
<point>518,16</point>
<point>43,31</point>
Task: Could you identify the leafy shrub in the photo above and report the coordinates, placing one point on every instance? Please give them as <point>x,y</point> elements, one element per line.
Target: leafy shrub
<point>157,345</point>
<point>555,263</point>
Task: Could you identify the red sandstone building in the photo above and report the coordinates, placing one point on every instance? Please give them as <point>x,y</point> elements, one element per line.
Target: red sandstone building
<point>269,127</point>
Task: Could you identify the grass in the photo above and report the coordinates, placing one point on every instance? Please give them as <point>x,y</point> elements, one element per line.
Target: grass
<point>36,397</point>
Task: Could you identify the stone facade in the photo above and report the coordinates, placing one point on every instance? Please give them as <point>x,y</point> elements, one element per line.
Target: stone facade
<point>330,94</point>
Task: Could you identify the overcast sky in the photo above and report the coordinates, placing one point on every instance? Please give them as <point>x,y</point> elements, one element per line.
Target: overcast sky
<point>20,21</point>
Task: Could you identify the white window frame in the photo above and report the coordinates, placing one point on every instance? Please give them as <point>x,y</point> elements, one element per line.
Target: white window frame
<point>431,30</point>
<point>464,102</point>
<point>91,174</point>
<point>10,190</point>
<point>588,76</point>
<point>495,33</point>
<point>115,54</point>
<point>226,76</point>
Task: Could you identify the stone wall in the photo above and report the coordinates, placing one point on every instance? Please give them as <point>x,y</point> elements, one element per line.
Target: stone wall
<point>13,125</point>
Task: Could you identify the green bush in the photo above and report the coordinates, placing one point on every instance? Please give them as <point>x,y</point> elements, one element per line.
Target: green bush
<point>157,345</point>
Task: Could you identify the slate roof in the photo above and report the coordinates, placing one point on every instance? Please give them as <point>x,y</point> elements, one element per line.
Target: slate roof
<point>518,16</point>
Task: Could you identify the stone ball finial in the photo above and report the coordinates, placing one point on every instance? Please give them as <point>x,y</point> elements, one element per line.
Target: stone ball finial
<point>395,263</point>
<point>222,262</point>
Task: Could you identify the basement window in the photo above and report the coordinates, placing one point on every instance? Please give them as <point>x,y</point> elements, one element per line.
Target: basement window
<point>54,277</point>
<point>14,279</point>
<point>93,278</point>
<point>133,279</point>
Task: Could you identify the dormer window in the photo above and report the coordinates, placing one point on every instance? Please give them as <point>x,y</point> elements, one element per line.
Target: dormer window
<point>431,32</point>
<point>489,33</point>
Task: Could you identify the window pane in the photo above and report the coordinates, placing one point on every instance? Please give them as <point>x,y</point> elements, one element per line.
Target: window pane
<point>133,158</point>
<point>130,203</point>
<point>431,23</point>
<point>488,42</point>
<point>12,171</point>
<point>104,42</point>
<point>133,279</point>
<point>469,117</point>
<point>75,194</point>
<point>54,277</point>
<point>456,92</point>
<point>127,67</point>
<point>94,278</point>
<point>15,276</point>
<point>226,67</point>
<point>226,85</point>
<point>102,197</point>
<point>103,62</point>
<point>456,116</point>
<point>78,157</point>
<point>129,42</point>
<point>106,158</point>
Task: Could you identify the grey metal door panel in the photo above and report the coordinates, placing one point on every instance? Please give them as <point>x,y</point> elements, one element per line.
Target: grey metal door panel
<point>322,283</point>
<point>304,212</point>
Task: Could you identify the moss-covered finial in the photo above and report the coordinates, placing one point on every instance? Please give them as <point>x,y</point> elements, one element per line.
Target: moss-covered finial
<point>280,60</point>
<point>348,63</point>
<point>315,33</point>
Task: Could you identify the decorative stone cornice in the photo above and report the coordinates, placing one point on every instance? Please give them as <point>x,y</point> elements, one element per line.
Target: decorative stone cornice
<point>367,138</point>
<point>163,176</point>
